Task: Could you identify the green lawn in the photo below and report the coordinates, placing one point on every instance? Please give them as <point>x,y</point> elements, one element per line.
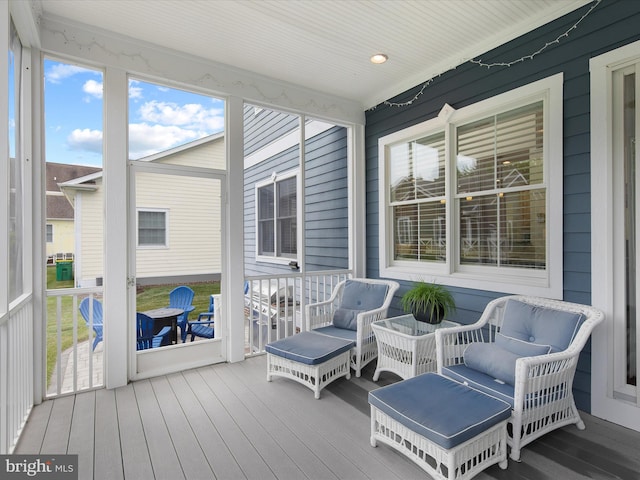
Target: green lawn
<point>148,298</point>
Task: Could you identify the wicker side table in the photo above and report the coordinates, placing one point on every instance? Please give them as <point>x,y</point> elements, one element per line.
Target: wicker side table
<point>406,346</point>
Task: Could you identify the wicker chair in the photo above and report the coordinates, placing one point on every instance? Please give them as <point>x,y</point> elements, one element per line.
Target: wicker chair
<point>366,300</point>
<point>538,384</point>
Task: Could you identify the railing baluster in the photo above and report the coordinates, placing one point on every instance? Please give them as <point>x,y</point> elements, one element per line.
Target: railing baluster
<point>75,343</point>
<point>58,345</point>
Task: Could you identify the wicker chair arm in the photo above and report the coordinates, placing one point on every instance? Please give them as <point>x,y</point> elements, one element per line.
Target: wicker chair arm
<point>365,319</point>
<point>319,314</point>
<point>452,342</point>
<point>543,378</point>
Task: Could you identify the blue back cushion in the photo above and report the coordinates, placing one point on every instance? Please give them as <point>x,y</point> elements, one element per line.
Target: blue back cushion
<point>540,325</point>
<point>358,297</point>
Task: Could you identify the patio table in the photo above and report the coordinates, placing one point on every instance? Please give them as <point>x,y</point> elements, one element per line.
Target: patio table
<point>166,316</point>
<point>406,346</point>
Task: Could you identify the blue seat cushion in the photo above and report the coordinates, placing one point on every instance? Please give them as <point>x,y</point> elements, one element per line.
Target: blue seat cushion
<point>446,412</point>
<point>503,391</point>
<point>343,333</point>
<point>540,325</point>
<point>480,381</point>
<point>358,297</point>
<point>309,348</point>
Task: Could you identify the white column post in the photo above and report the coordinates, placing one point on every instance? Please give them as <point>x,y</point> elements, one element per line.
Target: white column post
<point>233,259</point>
<point>357,202</point>
<point>115,227</point>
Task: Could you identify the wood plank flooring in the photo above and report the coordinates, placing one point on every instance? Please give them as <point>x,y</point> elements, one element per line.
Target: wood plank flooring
<point>227,422</point>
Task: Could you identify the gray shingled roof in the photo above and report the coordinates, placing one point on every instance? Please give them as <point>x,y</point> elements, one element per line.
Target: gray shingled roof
<point>57,205</point>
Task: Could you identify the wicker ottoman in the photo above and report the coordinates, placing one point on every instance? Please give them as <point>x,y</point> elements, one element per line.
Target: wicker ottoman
<point>309,358</point>
<point>450,430</point>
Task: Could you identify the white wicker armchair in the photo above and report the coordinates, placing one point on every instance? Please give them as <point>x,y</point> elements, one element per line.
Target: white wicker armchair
<point>541,394</point>
<point>320,317</point>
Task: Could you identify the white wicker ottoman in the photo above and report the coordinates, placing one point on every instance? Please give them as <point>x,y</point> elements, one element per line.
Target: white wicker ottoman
<point>309,358</point>
<point>450,430</point>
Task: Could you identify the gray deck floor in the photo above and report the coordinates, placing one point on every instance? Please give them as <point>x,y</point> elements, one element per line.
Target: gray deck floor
<point>227,422</point>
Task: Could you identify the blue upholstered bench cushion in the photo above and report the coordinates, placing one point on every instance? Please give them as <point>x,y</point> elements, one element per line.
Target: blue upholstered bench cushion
<point>445,412</point>
<point>309,348</point>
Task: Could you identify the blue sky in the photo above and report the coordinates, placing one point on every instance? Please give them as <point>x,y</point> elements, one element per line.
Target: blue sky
<point>160,118</point>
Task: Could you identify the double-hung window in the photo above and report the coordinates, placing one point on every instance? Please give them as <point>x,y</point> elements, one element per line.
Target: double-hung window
<point>473,197</point>
<point>277,220</point>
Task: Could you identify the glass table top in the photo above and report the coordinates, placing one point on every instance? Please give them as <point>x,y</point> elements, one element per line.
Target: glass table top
<point>408,325</point>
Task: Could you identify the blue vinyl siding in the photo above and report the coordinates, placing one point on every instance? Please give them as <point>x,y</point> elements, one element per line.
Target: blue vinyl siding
<point>263,126</point>
<point>326,201</point>
<point>612,24</point>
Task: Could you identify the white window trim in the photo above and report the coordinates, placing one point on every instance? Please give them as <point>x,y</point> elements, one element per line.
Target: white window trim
<point>166,229</point>
<point>46,235</point>
<point>273,179</point>
<point>548,282</point>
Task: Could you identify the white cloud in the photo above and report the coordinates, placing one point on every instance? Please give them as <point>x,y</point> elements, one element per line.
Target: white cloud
<point>134,92</point>
<point>60,71</point>
<point>86,140</point>
<point>192,116</point>
<point>93,88</point>
<point>145,139</point>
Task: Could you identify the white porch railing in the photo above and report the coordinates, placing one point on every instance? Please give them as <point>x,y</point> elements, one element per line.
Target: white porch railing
<point>72,364</point>
<point>275,304</point>
<point>16,372</point>
<point>274,308</point>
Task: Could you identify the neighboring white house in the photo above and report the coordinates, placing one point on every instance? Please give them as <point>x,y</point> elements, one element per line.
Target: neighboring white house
<point>60,224</point>
<point>177,219</point>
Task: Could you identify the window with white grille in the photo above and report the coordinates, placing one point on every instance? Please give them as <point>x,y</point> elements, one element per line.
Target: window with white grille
<point>152,228</point>
<point>277,217</point>
<point>465,197</point>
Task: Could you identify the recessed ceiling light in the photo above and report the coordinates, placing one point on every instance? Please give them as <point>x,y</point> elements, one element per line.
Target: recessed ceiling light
<point>379,58</point>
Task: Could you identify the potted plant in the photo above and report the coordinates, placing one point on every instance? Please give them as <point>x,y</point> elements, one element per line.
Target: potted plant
<point>428,302</point>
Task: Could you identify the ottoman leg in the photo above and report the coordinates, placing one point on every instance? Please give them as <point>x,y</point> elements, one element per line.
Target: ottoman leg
<point>372,439</point>
<point>268,367</point>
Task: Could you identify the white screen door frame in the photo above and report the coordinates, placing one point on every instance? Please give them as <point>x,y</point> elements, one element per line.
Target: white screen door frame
<point>181,356</point>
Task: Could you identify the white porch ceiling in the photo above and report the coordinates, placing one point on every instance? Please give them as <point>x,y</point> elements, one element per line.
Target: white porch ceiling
<point>323,45</point>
